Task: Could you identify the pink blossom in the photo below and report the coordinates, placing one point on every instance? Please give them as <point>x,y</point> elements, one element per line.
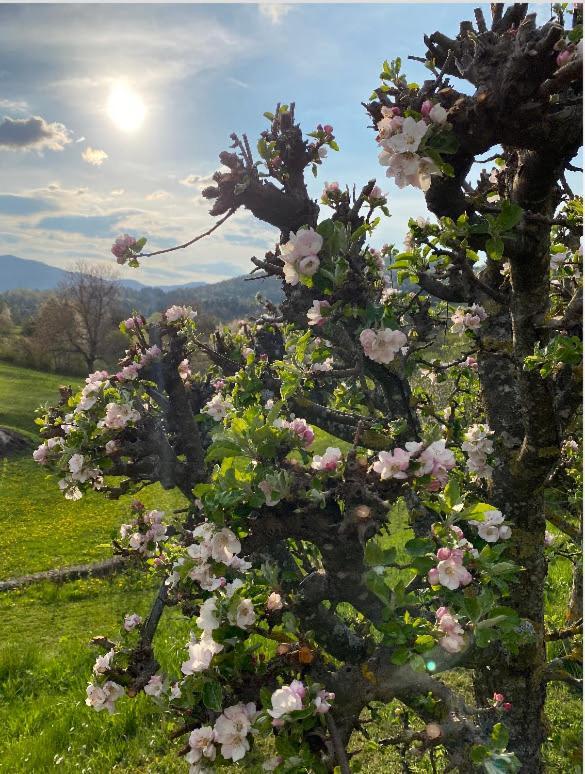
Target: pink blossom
<point>564,56</point>
<point>118,415</point>
<point>150,354</point>
<point>155,686</point>
<point>309,265</point>
<point>315,313</point>
<point>184,369</point>
<point>426,108</point>
<point>274,602</point>
<point>328,461</point>
<point>128,373</point>
<point>392,464</point>
<point>382,346</point>
<point>471,362</point>
<point>443,553</point>
<point>104,697</point>
<point>409,138</point>
<point>437,460</point>
<point>41,454</point>
<point>301,429</point>
<point>176,313</point>
<point>131,621</point>
<point>329,188</point>
<point>328,129</point>
<point>97,376</point>
<point>452,573</point>
<point>321,702</point>
<point>433,577</point>
<point>452,634</point>
<point>438,114</point>
<point>287,699</point>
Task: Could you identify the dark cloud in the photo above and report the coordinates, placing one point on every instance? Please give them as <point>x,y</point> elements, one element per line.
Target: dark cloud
<point>11,204</point>
<point>87,225</point>
<point>32,133</point>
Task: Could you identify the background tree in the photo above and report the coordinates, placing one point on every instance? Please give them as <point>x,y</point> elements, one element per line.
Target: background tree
<point>324,586</point>
<point>80,320</point>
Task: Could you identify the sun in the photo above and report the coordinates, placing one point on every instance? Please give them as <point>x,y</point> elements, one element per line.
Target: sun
<point>126,107</point>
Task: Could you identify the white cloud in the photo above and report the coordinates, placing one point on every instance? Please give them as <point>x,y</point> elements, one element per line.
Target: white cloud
<point>197,181</point>
<point>275,12</point>
<point>238,82</point>
<point>158,196</point>
<point>94,156</point>
<point>16,105</point>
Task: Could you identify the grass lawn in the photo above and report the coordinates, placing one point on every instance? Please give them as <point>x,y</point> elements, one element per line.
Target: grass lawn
<point>22,390</point>
<point>45,662</point>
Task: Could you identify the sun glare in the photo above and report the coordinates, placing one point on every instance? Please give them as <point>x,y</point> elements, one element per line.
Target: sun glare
<point>126,108</point>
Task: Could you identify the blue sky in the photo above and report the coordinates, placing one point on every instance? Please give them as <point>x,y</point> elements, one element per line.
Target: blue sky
<point>72,178</point>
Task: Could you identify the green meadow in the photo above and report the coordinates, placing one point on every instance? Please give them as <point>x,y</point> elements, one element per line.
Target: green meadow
<point>45,659</point>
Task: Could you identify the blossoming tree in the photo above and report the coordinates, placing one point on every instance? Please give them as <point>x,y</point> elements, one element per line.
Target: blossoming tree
<point>324,586</point>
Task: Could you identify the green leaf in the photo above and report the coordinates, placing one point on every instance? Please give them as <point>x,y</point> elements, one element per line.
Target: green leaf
<point>452,493</point>
<point>510,215</point>
<point>479,753</point>
<point>212,695</point>
<point>419,546</point>
<point>222,449</point>
<point>500,736</point>
<point>494,248</point>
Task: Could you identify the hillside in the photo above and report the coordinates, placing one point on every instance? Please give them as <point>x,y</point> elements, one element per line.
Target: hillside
<point>222,301</point>
<point>19,273</point>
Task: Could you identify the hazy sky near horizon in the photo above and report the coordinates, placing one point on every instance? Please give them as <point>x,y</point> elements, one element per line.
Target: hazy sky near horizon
<point>112,118</point>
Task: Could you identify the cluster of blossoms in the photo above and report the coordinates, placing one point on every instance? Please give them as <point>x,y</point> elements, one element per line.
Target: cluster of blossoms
<point>571,51</point>
<point>452,636</point>
<point>104,696</point>
<point>49,450</point>
<point>478,446</point>
<point>417,460</point>
<point>331,192</point>
<point>492,528</point>
<point>294,698</point>
<point>400,140</point>
<point>382,346</point>
<point>450,571</point>
<point>329,460</point>
<point>230,731</point>
<point>300,255</point>
<point>146,531</point>
<point>212,550</point>
<point>79,472</point>
<point>300,428</point>
<point>122,248</point>
<point>500,702</point>
<point>179,314</point>
<point>467,319</point>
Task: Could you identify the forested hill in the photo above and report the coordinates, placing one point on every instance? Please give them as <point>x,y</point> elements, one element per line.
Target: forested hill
<point>223,301</point>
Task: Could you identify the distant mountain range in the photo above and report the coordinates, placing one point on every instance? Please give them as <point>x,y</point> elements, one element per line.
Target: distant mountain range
<point>20,273</point>
<point>25,284</point>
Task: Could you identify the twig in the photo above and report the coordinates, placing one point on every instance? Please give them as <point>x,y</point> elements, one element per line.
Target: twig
<point>560,523</point>
<point>338,745</point>
<point>192,241</point>
<point>149,627</point>
<point>565,634</point>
